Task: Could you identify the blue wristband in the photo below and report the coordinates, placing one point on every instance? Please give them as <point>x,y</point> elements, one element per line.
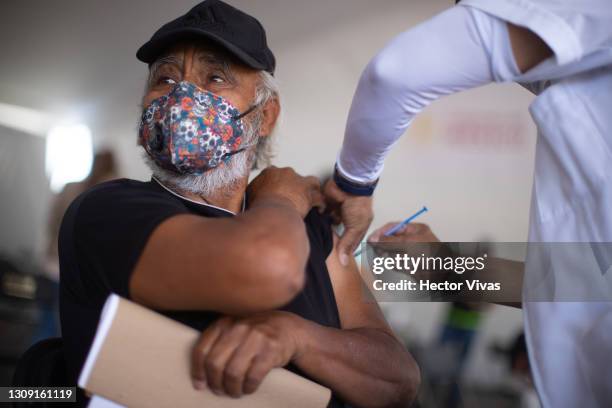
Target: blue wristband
<point>352,187</point>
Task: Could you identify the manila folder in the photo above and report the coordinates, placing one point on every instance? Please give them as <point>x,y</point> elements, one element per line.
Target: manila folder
<point>140,358</point>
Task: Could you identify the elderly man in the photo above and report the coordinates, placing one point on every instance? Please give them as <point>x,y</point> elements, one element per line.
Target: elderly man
<point>256,272</point>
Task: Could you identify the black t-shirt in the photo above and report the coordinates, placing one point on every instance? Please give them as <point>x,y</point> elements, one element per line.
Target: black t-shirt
<point>102,236</point>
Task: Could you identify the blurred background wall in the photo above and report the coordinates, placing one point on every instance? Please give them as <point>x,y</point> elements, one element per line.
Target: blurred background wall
<point>24,190</point>
<point>468,157</point>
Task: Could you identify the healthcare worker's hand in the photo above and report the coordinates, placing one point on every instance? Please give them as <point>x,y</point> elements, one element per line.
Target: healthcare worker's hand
<point>355,212</point>
<point>233,355</point>
<point>302,192</point>
<point>422,241</point>
<point>413,232</point>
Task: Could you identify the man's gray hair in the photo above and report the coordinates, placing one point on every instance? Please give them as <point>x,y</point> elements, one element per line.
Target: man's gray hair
<point>267,89</point>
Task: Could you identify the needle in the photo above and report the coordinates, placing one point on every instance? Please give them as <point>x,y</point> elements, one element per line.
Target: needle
<point>399,226</point>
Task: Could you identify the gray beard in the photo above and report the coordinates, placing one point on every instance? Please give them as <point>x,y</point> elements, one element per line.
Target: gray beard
<point>219,180</point>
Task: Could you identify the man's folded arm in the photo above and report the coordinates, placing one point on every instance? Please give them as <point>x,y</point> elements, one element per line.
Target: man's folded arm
<point>252,262</point>
<point>363,362</point>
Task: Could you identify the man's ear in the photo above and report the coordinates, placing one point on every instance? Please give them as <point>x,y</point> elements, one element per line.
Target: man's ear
<point>270,111</point>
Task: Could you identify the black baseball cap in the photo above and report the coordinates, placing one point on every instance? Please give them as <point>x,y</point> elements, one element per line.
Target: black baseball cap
<point>213,20</point>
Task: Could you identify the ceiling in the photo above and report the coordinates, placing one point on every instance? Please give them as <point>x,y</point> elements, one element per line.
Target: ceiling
<point>76,59</point>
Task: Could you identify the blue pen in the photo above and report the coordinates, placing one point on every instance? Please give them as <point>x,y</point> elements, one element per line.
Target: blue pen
<point>399,226</point>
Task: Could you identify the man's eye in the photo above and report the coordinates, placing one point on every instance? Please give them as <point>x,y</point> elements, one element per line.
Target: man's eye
<point>216,79</point>
<point>166,80</point>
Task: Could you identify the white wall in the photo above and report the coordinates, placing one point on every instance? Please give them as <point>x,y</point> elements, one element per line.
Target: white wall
<point>24,192</point>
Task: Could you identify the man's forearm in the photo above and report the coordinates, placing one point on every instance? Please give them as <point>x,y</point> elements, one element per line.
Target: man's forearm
<point>366,367</point>
<point>274,219</point>
<point>264,248</point>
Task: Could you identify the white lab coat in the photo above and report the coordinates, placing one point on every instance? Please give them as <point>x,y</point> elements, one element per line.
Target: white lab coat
<point>570,343</point>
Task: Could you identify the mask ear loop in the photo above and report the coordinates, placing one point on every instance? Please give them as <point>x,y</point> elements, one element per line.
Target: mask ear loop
<point>246,112</point>
<point>238,117</point>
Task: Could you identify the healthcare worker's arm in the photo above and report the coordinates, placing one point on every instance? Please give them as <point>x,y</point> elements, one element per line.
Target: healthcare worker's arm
<point>459,49</point>
<point>363,362</point>
<point>505,272</point>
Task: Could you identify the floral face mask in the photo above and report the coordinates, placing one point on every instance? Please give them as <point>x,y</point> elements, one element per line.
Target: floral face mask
<point>191,130</point>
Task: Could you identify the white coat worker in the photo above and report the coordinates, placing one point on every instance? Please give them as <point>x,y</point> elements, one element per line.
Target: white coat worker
<point>562,51</point>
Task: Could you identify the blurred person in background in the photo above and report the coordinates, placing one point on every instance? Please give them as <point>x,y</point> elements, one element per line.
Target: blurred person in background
<point>104,168</point>
<point>252,266</point>
<point>562,51</point>
<point>516,359</point>
<point>518,362</point>
<point>458,334</point>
